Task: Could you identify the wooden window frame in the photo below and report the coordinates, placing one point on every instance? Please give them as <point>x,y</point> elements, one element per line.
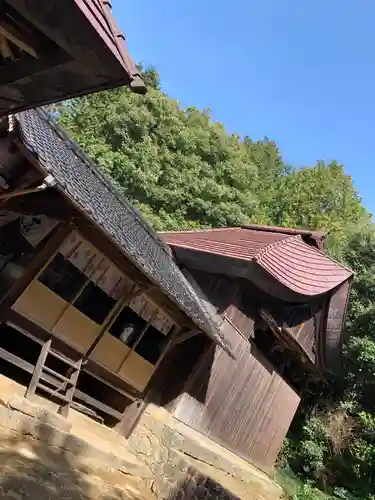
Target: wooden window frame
<point>88,276</point>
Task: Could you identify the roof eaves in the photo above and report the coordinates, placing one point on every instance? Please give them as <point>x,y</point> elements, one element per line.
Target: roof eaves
<point>136,84</point>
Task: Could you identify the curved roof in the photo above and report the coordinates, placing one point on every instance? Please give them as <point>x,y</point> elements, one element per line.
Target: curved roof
<point>301,267</point>
<point>283,254</point>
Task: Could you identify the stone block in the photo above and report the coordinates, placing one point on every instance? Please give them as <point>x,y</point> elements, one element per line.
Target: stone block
<point>23,424</point>
<point>26,407</point>
<point>77,446</point>
<point>180,495</point>
<point>179,460</point>
<point>171,438</point>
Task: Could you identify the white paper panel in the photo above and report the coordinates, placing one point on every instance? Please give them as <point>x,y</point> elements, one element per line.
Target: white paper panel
<point>158,322</point>
<point>92,266</point>
<point>137,303</point>
<point>100,270</point>
<point>163,323</point>
<point>95,266</point>
<point>110,280</point>
<point>71,242</point>
<point>35,228</point>
<point>148,310</point>
<point>82,256</point>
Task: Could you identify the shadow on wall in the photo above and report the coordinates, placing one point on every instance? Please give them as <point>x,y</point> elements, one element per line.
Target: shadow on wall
<point>185,356</point>
<point>198,486</point>
<point>32,468</point>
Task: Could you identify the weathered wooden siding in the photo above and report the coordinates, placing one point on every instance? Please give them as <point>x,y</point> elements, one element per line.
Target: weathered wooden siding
<point>242,309</point>
<point>242,404</point>
<point>240,302</point>
<point>233,298</point>
<point>303,331</point>
<point>219,289</point>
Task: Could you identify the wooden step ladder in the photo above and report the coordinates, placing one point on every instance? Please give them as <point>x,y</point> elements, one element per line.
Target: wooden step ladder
<point>64,385</point>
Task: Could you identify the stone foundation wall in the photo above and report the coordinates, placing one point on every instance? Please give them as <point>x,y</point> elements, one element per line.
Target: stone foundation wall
<point>197,486</point>
<point>186,465</point>
<point>171,461</point>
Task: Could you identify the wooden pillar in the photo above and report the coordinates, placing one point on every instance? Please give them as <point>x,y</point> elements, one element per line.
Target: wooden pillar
<point>30,391</point>
<point>134,292</point>
<point>133,412</point>
<point>37,264</point>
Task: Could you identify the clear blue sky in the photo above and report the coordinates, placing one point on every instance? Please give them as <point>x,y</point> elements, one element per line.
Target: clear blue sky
<point>300,72</point>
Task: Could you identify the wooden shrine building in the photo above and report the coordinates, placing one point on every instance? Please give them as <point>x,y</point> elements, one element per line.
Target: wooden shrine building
<point>83,276</point>
<point>57,49</point>
<point>223,328</point>
<point>282,304</point>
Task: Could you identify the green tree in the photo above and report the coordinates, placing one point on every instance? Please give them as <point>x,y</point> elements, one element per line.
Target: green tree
<point>333,440</point>
<point>184,170</point>
<point>321,197</point>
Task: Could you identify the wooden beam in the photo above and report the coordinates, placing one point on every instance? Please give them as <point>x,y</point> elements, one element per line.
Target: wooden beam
<point>170,344</point>
<point>30,157</point>
<point>30,391</point>
<point>35,267</point>
<point>19,39</point>
<point>70,390</point>
<point>141,335</point>
<point>130,417</point>
<point>134,292</point>
<point>134,411</point>
<point>186,336</point>
<point>21,192</point>
<point>48,202</point>
<point>97,404</point>
<point>5,50</point>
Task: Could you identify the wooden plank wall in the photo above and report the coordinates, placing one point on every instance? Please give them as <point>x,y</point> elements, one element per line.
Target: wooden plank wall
<point>242,404</point>
<point>235,298</point>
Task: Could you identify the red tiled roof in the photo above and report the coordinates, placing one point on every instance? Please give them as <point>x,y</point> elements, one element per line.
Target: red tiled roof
<point>99,13</point>
<point>282,253</point>
<point>235,242</point>
<point>301,267</point>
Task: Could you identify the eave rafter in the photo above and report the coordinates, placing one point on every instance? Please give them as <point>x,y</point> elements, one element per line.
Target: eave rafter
<point>13,41</point>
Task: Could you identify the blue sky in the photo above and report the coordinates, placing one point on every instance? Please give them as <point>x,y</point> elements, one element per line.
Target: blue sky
<point>300,72</point>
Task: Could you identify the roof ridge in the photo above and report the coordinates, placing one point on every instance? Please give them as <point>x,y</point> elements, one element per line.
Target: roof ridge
<point>285,230</point>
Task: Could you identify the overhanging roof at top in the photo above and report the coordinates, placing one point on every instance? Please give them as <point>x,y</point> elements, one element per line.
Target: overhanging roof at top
<point>80,181</point>
<point>283,254</point>
<point>57,49</point>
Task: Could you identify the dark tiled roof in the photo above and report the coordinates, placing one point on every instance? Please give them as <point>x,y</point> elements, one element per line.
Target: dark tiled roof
<point>85,185</point>
<point>282,253</point>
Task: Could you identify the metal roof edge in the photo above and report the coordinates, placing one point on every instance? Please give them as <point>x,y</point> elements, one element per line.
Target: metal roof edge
<point>285,230</point>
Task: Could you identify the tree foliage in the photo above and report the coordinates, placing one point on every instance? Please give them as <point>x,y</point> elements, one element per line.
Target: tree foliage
<point>183,170</point>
